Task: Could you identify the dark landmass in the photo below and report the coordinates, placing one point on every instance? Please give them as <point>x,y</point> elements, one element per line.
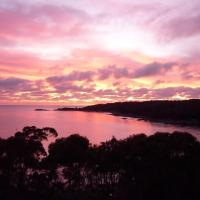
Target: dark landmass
<point>186,112</point>
<point>161,166</point>
<point>68,109</point>
<point>41,109</point>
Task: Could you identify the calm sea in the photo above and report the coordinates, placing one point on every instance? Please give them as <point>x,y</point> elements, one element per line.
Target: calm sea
<point>97,127</point>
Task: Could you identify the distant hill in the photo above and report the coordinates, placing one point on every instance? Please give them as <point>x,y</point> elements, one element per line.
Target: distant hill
<point>186,112</point>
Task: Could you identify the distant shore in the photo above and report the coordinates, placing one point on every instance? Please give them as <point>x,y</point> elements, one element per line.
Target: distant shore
<point>191,123</point>
<point>183,113</point>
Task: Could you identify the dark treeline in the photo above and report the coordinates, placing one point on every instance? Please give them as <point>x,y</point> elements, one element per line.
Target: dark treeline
<point>186,111</point>
<point>162,166</point>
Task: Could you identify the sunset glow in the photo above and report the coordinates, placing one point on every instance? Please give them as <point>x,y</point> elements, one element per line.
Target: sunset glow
<point>86,51</point>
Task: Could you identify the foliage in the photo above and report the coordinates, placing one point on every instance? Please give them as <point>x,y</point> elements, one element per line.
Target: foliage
<point>160,166</point>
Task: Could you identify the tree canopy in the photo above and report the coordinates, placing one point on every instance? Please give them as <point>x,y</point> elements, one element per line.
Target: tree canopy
<point>160,166</point>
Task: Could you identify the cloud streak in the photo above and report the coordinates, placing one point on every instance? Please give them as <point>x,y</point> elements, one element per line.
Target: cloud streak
<point>153,69</point>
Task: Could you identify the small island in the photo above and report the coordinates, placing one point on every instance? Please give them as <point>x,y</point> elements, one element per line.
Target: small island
<point>41,109</point>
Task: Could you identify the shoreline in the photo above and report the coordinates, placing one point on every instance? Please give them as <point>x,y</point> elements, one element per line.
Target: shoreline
<point>185,113</point>
<point>182,123</point>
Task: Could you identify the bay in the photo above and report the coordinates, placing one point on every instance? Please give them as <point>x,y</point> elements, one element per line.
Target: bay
<point>97,127</point>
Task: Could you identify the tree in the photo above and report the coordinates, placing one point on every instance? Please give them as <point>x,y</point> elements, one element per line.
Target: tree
<point>22,154</point>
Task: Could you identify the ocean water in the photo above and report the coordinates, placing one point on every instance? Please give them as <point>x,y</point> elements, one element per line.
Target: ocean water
<point>97,127</point>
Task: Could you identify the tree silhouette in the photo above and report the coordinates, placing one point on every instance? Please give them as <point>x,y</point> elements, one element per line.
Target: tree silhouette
<point>160,166</point>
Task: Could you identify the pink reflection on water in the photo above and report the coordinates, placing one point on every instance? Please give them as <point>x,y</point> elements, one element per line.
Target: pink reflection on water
<point>97,127</point>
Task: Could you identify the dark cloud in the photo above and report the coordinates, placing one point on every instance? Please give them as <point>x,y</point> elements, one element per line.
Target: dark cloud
<point>102,74</point>
<point>116,72</point>
<point>154,68</point>
<point>67,82</point>
<point>70,87</point>
<point>14,84</point>
<point>87,76</point>
<point>73,76</point>
<point>21,89</point>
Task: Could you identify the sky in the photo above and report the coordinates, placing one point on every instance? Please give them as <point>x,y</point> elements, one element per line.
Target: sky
<point>81,52</point>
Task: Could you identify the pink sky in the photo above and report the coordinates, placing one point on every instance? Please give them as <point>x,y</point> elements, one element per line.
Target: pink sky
<point>79,52</point>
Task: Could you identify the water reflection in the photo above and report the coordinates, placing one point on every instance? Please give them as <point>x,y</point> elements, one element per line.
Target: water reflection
<point>96,126</point>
